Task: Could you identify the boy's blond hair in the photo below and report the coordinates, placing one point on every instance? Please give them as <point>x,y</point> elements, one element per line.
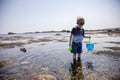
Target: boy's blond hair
<point>80,20</point>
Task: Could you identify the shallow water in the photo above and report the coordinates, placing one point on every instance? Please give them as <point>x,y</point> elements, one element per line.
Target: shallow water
<point>53,58</point>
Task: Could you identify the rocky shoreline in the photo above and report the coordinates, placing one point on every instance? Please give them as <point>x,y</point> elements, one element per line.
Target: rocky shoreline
<point>100,31</point>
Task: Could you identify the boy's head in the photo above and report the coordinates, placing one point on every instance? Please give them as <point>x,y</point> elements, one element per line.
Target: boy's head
<point>80,21</point>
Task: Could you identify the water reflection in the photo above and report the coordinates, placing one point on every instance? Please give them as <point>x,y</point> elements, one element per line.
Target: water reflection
<point>89,65</point>
<point>76,71</point>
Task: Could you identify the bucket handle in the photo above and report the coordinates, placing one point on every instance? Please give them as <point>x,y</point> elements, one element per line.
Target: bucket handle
<point>90,40</point>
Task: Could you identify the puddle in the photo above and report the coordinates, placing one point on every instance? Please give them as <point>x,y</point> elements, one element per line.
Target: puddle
<point>50,58</point>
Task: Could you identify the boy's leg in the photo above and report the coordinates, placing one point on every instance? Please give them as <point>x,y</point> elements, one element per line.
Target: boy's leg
<point>74,51</point>
<point>79,51</point>
<point>74,58</point>
<point>79,56</point>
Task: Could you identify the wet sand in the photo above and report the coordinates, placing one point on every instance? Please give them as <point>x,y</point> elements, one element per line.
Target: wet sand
<point>11,42</point>
<point>47,58</point>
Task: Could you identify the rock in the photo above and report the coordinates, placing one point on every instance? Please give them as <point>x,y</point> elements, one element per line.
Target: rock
<point>37,32</point>
<point>4,63</point>
<point>109,31</point>
<point>43,44</point>
<point>11,33</point>
<point>62,40</point>
<point>57,34</point>
<point>42,77</point>
<point>23,49</point>
<point>46,77</point>
<point>25,62</point>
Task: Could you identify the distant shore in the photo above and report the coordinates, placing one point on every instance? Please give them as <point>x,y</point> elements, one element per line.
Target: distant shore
<point>107,30</point>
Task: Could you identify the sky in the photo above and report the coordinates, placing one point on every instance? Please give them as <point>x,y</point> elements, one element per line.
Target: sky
<point>45,15</point>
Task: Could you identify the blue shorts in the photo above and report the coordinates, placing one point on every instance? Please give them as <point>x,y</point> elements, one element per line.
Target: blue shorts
<point>76,47</point>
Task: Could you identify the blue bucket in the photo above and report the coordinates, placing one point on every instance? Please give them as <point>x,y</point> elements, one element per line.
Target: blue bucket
<point>90,46</point>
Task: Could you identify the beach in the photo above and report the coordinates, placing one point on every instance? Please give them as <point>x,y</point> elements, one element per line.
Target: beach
<point>46,57</point>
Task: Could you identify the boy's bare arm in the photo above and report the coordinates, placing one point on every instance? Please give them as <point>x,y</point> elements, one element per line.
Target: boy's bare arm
<point>70,39</point>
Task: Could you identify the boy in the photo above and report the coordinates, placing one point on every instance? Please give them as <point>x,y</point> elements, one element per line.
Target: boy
<point>76,37</point>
